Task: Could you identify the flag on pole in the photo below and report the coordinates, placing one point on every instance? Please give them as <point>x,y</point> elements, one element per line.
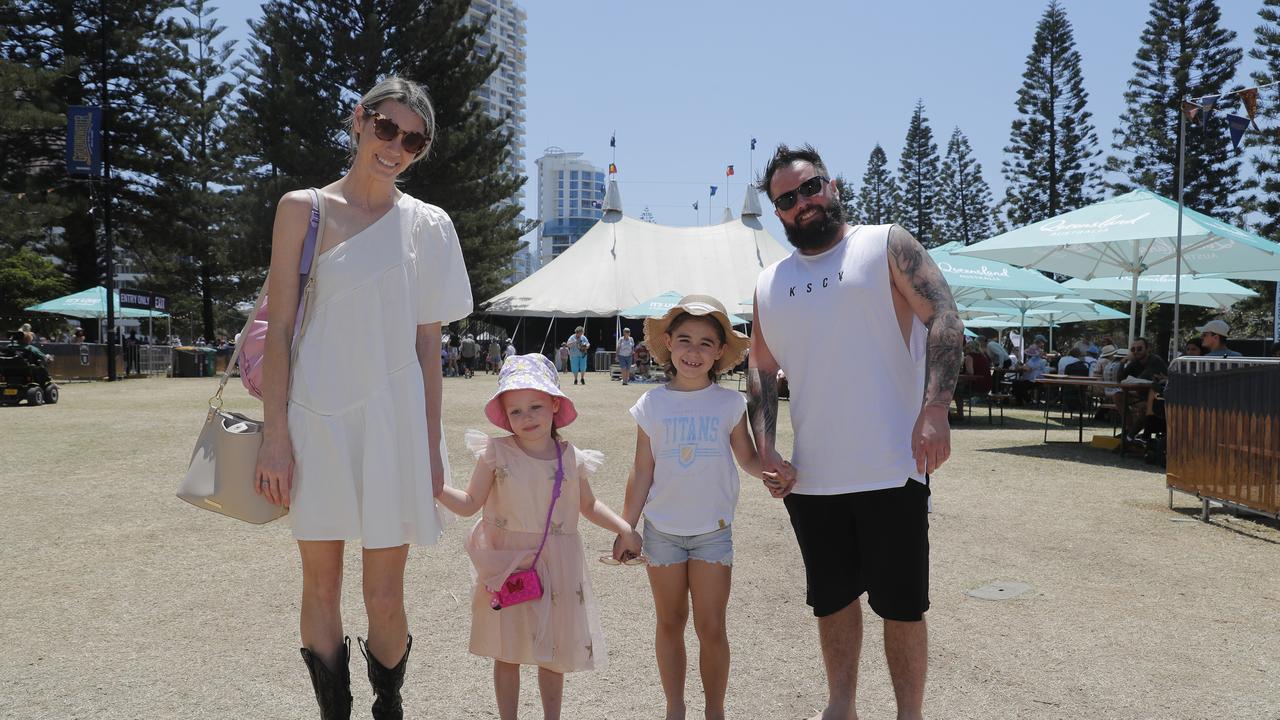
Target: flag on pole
<point>753,143</point>
<point>729,171</point>
<point>713,191</point>
<point>613,169</point>
<point>1190,109</point>
<point>613,140</point>
<point>1237,124</point>
<point>695,204</point>
<point>1250,99</point>
<point>1207,103</point>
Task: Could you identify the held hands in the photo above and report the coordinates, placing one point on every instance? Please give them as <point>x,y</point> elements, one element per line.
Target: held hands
<point>627,546</point>
<point>273,477</point>
<point>778,474</point>
<point>931,439</point>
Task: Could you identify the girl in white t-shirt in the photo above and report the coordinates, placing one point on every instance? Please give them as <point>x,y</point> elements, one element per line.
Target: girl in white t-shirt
<point>685,482</point>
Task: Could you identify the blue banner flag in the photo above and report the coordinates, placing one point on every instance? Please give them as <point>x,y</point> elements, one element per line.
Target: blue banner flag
<point>695,204</point>
<point>84,141</point>
<point>1237,125</point>
<point>713,191</point>
<point>753,143</point>
<point>613,140</point>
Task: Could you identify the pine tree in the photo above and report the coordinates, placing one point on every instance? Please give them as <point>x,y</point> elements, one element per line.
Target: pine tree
<point>1266,164</point>
<point>27,207</point>
<point>72,34</point>
<point>1184,52</point>
<point>965,196</point>
<point>1050,165</point>
<point>347,48</point>
<point>918,171</point>
<point>879,201</point>
<point>848,199</point>
<point>186,256</point>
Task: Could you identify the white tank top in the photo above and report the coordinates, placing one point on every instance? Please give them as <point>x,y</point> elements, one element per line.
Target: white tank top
<point>856,387</point>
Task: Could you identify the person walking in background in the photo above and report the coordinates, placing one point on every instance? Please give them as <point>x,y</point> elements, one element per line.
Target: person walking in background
<point>365,385</point>
<point>626,352</point>
<point>578,347</point>
<point>469,352</point>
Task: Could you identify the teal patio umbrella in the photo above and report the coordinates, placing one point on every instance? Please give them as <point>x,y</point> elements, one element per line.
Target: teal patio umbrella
<point>1200,291</point>
<point>973,279</point>
<point>1128,236</point>
<point>1084,311</point>
<point>658,306</point>
<point>1019,307</point>
<point>90,304</point>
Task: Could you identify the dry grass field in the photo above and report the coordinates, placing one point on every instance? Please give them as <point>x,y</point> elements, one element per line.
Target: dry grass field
<point>120,601</point>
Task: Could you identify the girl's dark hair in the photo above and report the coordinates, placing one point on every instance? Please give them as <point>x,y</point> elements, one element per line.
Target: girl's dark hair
<point>1197,342</point>
<point>669,367</point>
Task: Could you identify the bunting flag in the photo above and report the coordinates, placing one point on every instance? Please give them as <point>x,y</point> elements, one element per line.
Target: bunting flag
<point>695,204</point>
<point>1249,98</point>
<point>1190,109</point>
<point>1237,124</point>
<point>1207,102</point>
<point>713,191</point>
<point>613,169</point>
<point>729,171</point>
<point>753,143</point>
<point>613,140</point>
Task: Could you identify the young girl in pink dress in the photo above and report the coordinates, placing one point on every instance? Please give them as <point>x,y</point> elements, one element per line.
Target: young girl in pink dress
<point>513,483</point>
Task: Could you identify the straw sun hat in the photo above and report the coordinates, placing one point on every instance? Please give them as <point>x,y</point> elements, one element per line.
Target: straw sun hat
<point>736,344</point>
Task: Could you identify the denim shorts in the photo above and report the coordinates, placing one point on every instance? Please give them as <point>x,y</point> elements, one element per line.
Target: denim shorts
<point>624,362</point>
<point>664,549</point>
<point>578,363</point>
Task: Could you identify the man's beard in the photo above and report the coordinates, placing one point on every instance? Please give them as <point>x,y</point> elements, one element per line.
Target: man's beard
<point>818,233</point>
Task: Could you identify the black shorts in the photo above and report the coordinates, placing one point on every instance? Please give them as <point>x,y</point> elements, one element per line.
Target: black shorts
<point>875,542</point>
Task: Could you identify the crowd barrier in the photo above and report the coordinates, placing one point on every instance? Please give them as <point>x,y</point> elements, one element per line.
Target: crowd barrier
<point>1223,417</point>
<point>88,361</point>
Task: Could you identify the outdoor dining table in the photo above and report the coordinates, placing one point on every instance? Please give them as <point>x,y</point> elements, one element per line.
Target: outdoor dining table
<point>1054,380</point>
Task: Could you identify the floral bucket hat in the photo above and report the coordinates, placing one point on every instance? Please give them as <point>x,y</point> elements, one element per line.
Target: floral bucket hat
<point>529,372</point>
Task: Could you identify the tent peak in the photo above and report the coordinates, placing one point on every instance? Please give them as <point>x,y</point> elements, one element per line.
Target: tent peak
<point>613,198</point>
<point>751,204</point>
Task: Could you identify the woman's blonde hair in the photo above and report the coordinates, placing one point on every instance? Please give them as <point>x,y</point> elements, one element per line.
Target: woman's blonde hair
<point>407,93</point>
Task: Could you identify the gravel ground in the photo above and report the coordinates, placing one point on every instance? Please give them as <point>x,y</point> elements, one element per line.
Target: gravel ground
<point>121,601</point>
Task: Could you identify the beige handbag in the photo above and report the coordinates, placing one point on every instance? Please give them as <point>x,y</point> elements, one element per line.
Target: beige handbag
<point>223,468</point>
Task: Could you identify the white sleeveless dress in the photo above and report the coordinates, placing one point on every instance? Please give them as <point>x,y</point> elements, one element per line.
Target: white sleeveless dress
<point>357,408</point>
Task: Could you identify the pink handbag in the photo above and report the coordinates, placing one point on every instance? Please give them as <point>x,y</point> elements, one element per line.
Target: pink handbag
<point>252,346</point>
<point>525,585</point>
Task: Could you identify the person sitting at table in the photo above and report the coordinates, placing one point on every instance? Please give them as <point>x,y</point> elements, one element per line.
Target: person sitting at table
<point>975,376</point>
<point>1214,336</point>
<point>1194,348</point>
<point>1143,365</point>
<point>1073,362</point>
<point>996,354</point>
<point>1028,372</point>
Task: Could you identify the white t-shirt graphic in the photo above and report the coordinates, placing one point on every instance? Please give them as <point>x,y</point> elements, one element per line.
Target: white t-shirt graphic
<point>695,478</point>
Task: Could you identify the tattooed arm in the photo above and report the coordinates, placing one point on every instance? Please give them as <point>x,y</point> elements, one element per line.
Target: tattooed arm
<point>762,409</point>
<point>917,278</point>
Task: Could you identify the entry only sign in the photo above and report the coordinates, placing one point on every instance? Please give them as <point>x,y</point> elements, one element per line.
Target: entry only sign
<point>139,300</point>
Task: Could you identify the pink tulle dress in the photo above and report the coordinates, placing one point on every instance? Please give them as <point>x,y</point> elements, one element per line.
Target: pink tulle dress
<point>561,630</point>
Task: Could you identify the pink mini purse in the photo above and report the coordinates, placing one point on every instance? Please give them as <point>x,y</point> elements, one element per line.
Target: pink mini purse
<point>525,585</point>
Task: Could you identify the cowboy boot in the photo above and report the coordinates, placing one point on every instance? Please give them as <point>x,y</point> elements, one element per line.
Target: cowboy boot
<point>386,682</point>
<point>332,685</point>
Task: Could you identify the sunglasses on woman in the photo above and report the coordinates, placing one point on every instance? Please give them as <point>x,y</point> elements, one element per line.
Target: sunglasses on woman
<point>808,188</point>
<point>387,130</point>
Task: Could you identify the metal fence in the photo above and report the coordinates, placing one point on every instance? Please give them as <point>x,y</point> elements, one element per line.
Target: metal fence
<point>1223,418</point>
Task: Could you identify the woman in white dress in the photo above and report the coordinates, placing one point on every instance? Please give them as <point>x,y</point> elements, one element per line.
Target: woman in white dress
<point>353,442</point>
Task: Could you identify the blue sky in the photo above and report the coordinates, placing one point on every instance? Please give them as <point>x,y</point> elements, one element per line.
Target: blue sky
<point>686,85</point>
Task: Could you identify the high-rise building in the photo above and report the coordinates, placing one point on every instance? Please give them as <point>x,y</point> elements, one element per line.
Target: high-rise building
<point>570,200</point>
<point>503,93</point>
